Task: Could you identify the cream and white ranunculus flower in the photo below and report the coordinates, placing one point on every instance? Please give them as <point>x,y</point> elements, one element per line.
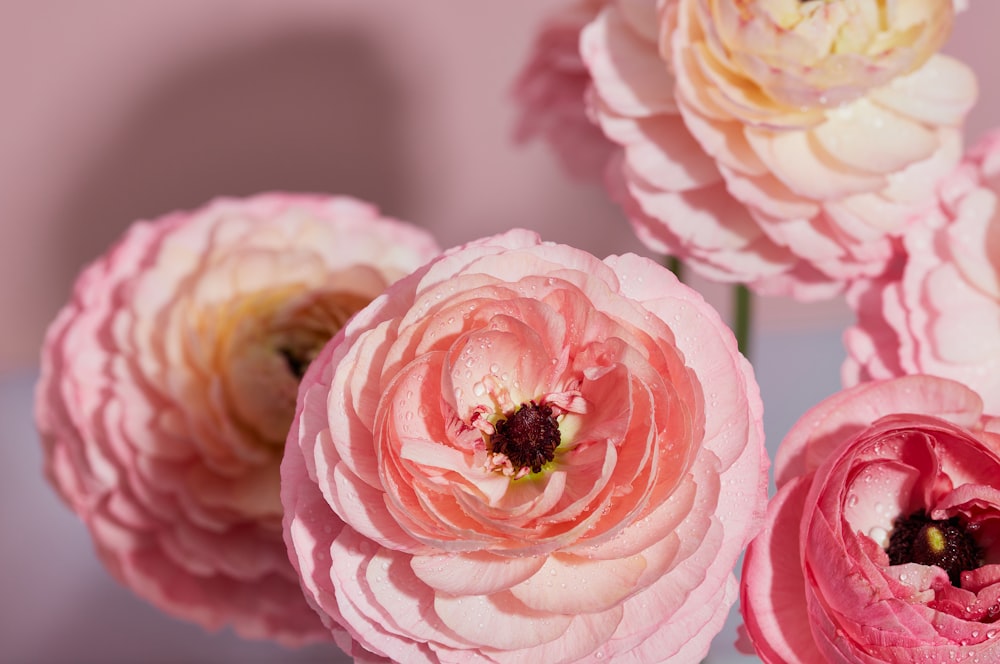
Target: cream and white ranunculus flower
<point>778,142</point>
<point>169,382</point>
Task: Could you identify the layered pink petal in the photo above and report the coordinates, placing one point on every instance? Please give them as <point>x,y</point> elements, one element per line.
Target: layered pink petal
<point>869,480</point>
<point>830,125</point>
<point>168,384</point>
<point>937,311</point>
<point>456,547</point>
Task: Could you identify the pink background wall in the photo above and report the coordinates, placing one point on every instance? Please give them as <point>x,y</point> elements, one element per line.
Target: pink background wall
<point>114,110</point>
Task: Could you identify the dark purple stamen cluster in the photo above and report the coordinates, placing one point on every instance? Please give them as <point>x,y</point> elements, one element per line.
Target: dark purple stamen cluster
<point>528,437</point>
<point>945,542</point>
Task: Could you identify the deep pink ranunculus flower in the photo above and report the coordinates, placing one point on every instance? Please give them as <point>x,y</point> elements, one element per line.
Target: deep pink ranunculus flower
<point>938,310</point>
<point>778,143</point>
<point>168,384</point>
<point>521,453</point>
<point>883,541</point>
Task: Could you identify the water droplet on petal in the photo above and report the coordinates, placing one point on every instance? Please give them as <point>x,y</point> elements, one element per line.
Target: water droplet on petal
<point>880,535</point>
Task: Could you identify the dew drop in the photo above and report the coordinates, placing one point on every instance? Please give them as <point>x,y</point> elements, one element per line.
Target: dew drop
<point>494,368</point>
<point>479,389</point>
<point>852,500</point>
<point>880,535</point>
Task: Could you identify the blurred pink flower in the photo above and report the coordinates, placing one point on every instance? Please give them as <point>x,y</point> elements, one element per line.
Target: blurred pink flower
<point>168,385</point>
<point>883,541</point>
<point>778,143</point>
<point>529,448</point>
<point>938,310</point>
<point>550,93</point>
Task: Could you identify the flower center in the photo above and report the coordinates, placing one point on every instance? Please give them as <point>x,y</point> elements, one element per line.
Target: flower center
<point>945,542</point>
<point>266,342</point>
<point>298,355</point>
<point>528,437</point>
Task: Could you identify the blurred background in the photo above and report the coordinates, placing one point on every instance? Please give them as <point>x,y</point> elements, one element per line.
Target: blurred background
<point>114,111</point>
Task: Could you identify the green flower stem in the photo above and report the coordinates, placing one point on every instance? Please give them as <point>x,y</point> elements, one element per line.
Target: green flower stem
<point>675,265</point>
<point>742,317</point>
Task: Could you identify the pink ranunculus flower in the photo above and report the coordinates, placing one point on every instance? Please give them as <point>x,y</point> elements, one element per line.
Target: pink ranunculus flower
<point>521,453</point>
<point>938,310</point>
<point>550,94</point>
<point>882,543</point>
<point>778,143</point>
<point>168,384</point>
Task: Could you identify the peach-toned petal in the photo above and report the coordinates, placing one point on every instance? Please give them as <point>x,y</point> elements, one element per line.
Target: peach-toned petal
<point>479,573</point>
<point>567,584</point>
<point>542,474</point>
<point>499,620</point>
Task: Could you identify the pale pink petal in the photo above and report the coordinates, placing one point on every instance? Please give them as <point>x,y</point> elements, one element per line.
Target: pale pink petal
<point>479,573</point>
<point>499,620</point>
<point>169,384</point>
<point>628,73</point>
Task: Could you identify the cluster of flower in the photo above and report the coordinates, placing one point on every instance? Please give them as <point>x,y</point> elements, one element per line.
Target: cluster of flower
<point>813,149</point>
<point>293,416</point>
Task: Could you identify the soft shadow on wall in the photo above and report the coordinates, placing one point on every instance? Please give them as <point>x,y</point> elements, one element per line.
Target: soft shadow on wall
<point>304,111</point>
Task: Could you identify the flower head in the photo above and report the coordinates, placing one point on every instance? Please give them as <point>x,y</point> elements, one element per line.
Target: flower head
<point>518,453</point>
<point>777,142</point>
<point>883,541</point>
<point>938,310</point>
<point>550,92</point>
<point>168,385</point>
